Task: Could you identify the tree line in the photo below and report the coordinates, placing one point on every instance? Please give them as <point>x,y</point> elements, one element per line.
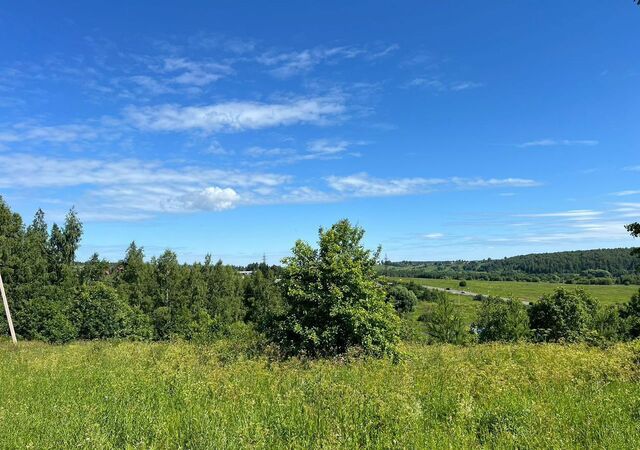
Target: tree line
<point>324,300</point>
<point>602,266</point>
<point>565,315</point>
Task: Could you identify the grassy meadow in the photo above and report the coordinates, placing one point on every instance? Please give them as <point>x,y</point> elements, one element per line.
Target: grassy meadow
<point>179,395</point>
<point>523,290</point>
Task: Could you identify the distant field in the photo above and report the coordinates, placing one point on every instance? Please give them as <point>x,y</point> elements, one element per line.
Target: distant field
<point>523,290</point>
<point>99,395</point>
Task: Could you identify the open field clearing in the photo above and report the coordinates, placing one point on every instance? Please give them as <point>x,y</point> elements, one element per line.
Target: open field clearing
<point>136,395</point>
<point>522,290</point>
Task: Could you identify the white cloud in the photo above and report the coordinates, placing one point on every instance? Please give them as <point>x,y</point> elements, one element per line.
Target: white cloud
<point>235,116</point>
<point>493,182</point>
<point>559,143</point>
<point>327,147</point>
<point>53,134</point>
<point>576,214</point>
<point>439,85</point>
<point>41,171</point>
<point>464,85</point>
<point>633,168</point>
<point>433,236</point>
<point>625,193</point>
<point>362,185</point>
<point>195,73</point>
<point>288,64</point>
<point>213,198</point>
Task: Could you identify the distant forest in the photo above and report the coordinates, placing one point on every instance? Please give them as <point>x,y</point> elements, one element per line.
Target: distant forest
<point>603,266</point>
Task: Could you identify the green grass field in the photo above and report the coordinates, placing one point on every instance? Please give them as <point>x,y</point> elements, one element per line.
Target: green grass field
<point>152,395</point>
<point>608,295</point>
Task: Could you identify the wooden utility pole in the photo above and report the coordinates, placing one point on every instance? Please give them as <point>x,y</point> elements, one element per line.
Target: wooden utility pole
<point>7,312</point>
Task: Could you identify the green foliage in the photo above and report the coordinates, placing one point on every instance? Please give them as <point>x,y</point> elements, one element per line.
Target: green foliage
<point>634,230</point>
<point>630,313</point>
<point>263,301</point>
<point>504,320</point>
<point>100,313</point>
<point>46,316</point>
<point>444,322</point>
<point>402,298</point>
<point>333,298</point>
<point>564,316</point>
<point>462,283</point>
<point>601,266</point>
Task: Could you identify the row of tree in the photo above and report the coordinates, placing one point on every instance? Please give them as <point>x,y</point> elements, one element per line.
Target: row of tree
<point>603,266</point>
<point>323,301</point>
<point>562,316</point>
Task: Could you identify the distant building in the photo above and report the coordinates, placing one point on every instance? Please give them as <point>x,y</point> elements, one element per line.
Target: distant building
<point>245,273</point>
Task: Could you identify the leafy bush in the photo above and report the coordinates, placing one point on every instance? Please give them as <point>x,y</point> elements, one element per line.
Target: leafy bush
<point>101,313</point>
<point>402,298</point>
<point>462,283</point>
<point>564,316</point>
<point>46,317</point>
<point>502,320</point>
<point>444,323</point>
<point>630,313</point>
<point>333,299</point>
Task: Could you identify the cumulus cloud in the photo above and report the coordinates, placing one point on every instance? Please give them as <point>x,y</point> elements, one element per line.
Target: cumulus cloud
<point>213,198</point>
<point>235,116</point>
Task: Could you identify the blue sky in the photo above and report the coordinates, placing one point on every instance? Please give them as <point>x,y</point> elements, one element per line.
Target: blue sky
<point>449,130</point>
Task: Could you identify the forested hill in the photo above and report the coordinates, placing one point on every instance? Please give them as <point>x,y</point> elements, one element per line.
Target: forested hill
<point>602,266</point>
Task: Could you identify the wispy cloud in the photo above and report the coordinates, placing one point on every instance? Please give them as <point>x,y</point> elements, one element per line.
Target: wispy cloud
<point>632,168</point>
<point>195,73</point>
<point>433,236</point>
<point>559,143</point>
<point>236,115</point>
<point>439,85</point>
<point>494,182</point>
<point>53,134</point>
<point>288,64</point>
<point>577,214</point>
<point>626,193</point>
<point>362,185</point>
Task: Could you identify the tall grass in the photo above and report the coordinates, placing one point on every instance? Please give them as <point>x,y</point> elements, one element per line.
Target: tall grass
<point>179,395</point>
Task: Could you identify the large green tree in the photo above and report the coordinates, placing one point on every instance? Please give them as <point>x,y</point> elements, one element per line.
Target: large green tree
<point>333,298</point>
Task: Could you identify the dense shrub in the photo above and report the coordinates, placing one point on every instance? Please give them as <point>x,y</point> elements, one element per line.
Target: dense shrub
<point>46,317</point>
<point>564,316</point>
<point>101,313</point>
<point>462,283</point>
<point>333,299</point>
<point>502,320</point>
<point>402,298</point>
<point>630,313</point>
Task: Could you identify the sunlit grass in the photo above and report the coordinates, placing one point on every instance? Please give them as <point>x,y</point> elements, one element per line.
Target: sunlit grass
<point>180,395</point>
